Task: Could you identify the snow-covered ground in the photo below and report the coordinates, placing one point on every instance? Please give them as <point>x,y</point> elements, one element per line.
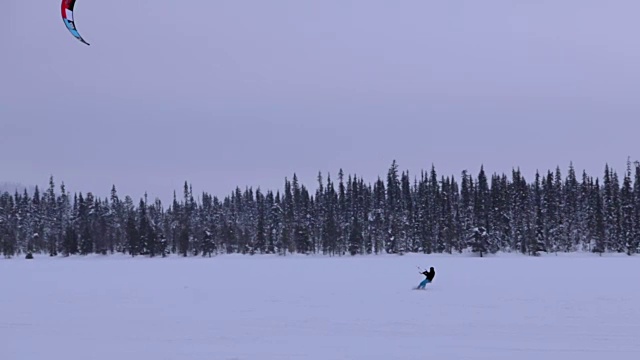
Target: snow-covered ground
<point>297,307</point>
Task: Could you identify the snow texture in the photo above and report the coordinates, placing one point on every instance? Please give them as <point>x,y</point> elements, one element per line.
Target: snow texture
<point>303,307</point>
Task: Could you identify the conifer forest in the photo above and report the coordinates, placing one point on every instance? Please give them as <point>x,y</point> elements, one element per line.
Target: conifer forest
<point>428,213</point>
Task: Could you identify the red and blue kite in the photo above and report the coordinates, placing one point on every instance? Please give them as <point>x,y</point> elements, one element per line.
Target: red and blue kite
<point>67,17</point>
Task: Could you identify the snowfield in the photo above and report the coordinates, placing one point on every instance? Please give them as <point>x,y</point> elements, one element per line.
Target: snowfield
<point>305,307</point>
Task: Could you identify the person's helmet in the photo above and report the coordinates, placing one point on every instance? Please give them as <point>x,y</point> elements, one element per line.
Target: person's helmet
<point>431,268</point>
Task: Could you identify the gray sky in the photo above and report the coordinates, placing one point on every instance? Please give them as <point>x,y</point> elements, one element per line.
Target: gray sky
<point>226,93</point>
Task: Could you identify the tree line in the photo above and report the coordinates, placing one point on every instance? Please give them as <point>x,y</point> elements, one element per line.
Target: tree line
<point>398,214</point>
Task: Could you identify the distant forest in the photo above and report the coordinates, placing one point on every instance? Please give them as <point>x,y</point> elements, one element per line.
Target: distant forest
<point>344,216</point>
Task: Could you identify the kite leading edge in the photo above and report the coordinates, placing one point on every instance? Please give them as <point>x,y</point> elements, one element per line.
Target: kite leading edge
<point>67,17</point>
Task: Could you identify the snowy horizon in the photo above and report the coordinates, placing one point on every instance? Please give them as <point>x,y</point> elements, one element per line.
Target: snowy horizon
<point>487,214</point>
<point>311,184</point>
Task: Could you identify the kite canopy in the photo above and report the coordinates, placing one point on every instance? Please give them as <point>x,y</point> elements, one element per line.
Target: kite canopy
<point>67,17</point>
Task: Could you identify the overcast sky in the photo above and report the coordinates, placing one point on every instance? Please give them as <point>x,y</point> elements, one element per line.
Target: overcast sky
<point>226,93</point>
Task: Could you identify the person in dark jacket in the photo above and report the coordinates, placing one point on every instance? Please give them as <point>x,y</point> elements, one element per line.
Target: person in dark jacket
<point>429,275</point>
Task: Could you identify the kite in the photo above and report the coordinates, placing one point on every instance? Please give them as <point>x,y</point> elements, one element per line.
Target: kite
<point>67,17</point>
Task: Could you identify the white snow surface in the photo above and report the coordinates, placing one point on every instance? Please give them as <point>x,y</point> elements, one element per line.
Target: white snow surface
<point>313,307</point>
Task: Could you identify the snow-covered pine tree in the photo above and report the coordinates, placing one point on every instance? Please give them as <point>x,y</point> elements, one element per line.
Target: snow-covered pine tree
<point>405,215</point>
<point>131,227</point>
<point>355,237</point>
<point>288,219</point>
<point>571,233</point>
<point>434,209</point>
<point>145,246</point>
<point>560,215</point>
<point>318,214</point>
<point>304,222</point>
<point>158,226</point>
<point>599,214</point>
<point>271,223</point>
<point>449,232</point>
<point>584,212</point>
<point>482,200</point>
<point>627,213</point>
<point>539,232</point>
<point>518,233</point>
<point>8,224</point>
<point>636,206</point>
<point>467,211</point>
<point>422,236</point>
<point>478,240</point>
<point>115,223</point>
<point>184,222</point>
<point>552,205</point>
<point>261,225</point>
<point>298,231</point>
<point>617,242</point>
<point>50,233</point>
<point>85,226</point>
<point>378,216</point>
<point>101,226</point>
<point>365,196</point>
<point>71,236</point>
<point>330,230</point>
<point>341,215</point>
<point>499,217</point>
<point>392,211</point>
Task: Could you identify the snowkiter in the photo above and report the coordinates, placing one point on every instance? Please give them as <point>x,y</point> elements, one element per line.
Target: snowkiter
<point>429,277</point>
